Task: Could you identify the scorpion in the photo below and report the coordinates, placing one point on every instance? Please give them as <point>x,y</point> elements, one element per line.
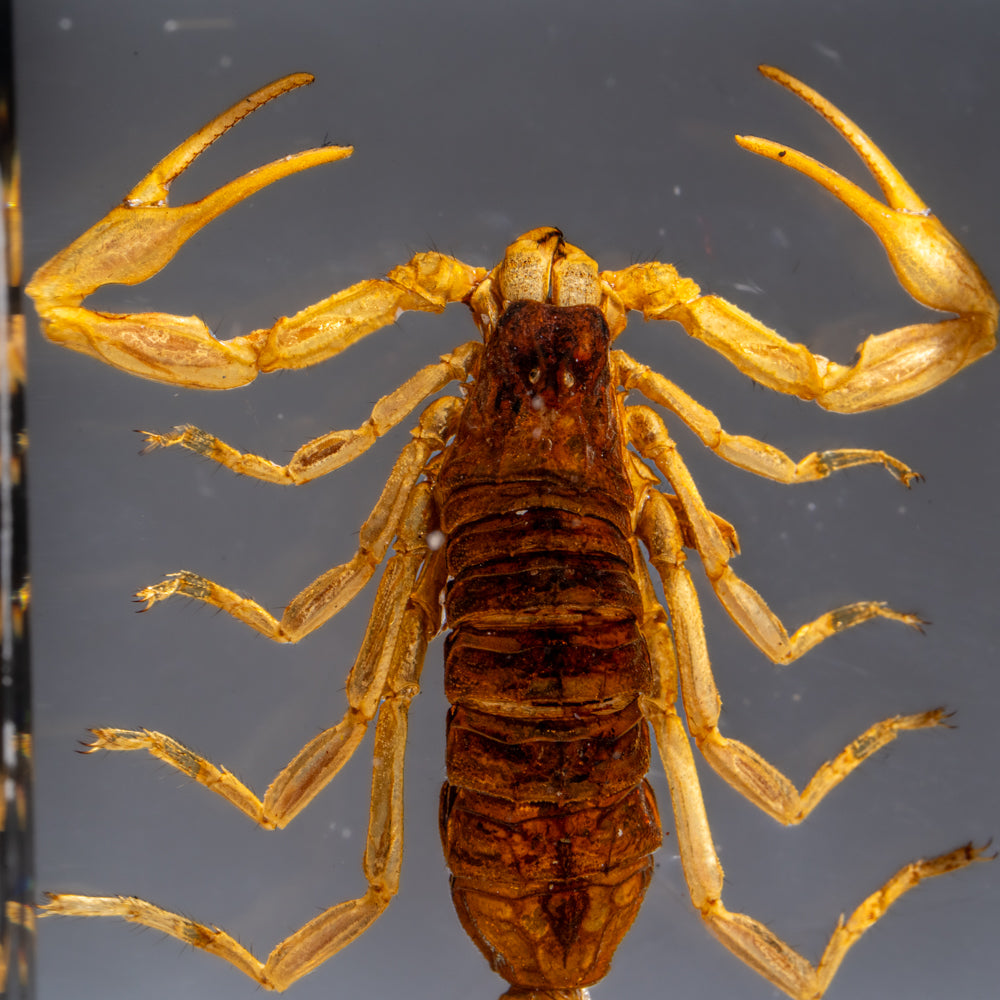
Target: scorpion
<point>519,506</point>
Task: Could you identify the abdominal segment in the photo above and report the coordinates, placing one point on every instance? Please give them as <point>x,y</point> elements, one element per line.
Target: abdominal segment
<point>547,822</point>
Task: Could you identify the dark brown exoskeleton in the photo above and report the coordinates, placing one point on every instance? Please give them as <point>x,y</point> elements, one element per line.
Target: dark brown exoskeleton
<point>542,482</point>
<point>547,822</point>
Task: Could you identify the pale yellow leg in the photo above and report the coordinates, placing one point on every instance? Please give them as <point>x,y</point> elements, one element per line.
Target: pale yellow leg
<point>325,596</point>
<point>389,642</point>
<point>384,680</point>
<point>137,238</point>
<point>337,926</point>
<point>746,607</point>
<point>748,453</point>
<point>333,450</point>
<point>890,367</point>
<point>741,766</point>
<point>748,939</point>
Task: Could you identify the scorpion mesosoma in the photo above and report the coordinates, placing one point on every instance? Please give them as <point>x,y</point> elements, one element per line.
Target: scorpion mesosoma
<point>524,503</point>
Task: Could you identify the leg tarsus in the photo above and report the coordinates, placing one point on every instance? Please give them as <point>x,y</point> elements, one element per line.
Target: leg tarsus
<point>763,627</point>
<point>293,958</point>
<point>765,786</point>
<point>139,911</point>
<point>871,909</point>
<point>184,583</point>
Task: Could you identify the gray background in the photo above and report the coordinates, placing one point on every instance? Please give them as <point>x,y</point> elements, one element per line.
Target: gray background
<point>473,123</point>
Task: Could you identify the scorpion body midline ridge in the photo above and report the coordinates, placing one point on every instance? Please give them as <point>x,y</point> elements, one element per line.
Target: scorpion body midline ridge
<point>546,819</point>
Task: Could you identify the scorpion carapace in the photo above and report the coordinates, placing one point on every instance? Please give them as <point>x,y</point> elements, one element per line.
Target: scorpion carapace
<point>523,503</point>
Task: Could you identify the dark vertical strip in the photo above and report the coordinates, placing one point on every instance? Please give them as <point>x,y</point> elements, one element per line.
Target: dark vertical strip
<point>16,835</point>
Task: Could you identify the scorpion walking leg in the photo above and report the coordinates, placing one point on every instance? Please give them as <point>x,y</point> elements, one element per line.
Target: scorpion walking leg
<point>335,449</point>
<point>384,680</point>
<point>741,766</point>
<point>748,453</point>
<point>331,930</point>
<point>748,939</point>
<point>325,596</point>
<point>382,654</point>
<point>382,651</point>
<point>390,659</point>
<point>746,607</point>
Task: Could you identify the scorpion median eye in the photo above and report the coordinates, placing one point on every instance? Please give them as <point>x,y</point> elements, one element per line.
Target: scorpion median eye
<point>534,375</point>
<point>567,378</point>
